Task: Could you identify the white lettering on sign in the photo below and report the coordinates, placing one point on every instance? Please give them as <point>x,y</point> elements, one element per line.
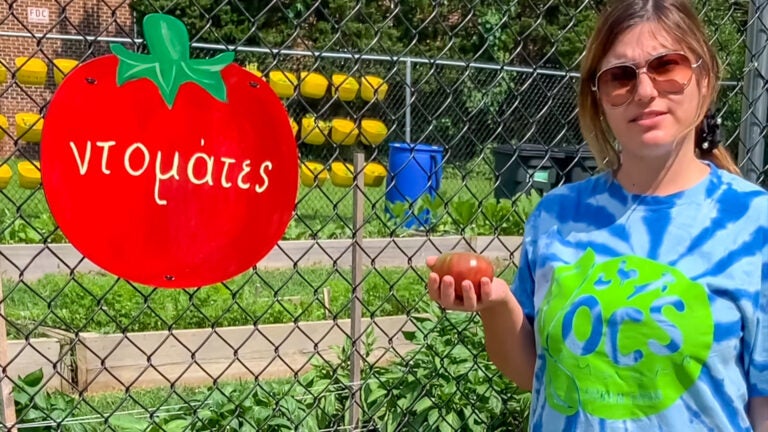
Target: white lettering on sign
<point>137,157</point>
<point>37,15</point>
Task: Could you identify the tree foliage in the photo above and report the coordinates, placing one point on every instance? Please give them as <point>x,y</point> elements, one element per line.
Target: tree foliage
<point>457,106</point>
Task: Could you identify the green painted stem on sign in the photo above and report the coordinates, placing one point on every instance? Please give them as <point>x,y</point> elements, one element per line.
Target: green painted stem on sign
<point>168,64</point>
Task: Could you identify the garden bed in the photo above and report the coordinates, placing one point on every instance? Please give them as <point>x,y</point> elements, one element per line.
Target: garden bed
<point>25,356</point>
<point>113,333</point>
<point>109,333</point>
<point>196,357</point>
<point>444,382</point>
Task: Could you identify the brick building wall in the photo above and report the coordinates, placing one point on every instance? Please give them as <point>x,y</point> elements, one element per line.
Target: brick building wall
<point>69,23</point>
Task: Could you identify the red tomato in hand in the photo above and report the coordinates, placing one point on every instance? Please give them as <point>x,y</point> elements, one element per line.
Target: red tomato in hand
<point>464,266</point>
<point>167,170</point>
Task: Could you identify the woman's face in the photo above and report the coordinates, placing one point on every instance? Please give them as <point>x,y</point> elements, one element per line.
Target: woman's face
<point>651,121</point>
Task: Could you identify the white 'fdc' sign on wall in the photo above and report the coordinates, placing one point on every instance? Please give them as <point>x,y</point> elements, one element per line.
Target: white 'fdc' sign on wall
<point>37,15</point>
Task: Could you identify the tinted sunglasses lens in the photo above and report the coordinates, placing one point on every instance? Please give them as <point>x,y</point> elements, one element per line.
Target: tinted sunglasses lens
<point>670,73</point>
<point>617,84</point>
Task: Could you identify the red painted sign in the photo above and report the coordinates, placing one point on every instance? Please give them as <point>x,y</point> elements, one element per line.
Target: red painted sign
<point>165,170</point>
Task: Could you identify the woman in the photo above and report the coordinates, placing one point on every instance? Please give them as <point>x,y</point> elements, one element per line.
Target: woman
<point>641,296</point>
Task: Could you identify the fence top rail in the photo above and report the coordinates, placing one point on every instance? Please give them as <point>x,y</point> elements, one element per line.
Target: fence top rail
<point>319,54</point>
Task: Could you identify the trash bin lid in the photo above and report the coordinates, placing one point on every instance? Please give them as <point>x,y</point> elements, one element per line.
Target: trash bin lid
<point>529,149</point>
<point>417,147</point>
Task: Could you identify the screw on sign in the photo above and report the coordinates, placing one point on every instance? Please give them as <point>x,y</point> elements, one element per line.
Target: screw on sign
<point>169,171</point>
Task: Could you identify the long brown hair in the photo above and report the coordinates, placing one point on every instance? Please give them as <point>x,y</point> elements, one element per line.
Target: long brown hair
<point>680,21</point>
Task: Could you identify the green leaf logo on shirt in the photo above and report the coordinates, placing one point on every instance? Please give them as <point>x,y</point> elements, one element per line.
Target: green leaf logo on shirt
<point>624,338</point>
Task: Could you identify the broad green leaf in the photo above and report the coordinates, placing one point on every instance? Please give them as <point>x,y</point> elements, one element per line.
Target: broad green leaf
<point>281,423</point>
<point>434,418</point>
<point>453,420</point>
<point>33,379</point>
<point>422,405</point>
<point>177,425</point>
<point>443,426</point>
<point>126,423</point>
<point>376,394</point>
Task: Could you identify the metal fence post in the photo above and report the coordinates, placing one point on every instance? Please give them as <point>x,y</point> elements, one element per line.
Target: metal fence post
<point>408,84</point>
<point>358,200</point>
<point>8,412</point>
<point>755,103</point>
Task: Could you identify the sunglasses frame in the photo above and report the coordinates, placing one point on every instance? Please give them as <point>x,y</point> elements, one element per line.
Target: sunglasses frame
<point>644,69</point>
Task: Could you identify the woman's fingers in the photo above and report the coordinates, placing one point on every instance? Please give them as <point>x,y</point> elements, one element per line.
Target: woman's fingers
<point>444,292</point>
<point>433,287</point>
<point>486,289</point>
<point>470,299</point>
<point>447,293</point>
<point>431,260</point>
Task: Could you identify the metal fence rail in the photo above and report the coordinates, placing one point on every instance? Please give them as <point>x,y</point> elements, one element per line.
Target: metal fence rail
<point>333,330</point>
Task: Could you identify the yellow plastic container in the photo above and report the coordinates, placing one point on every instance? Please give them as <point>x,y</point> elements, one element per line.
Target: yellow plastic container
<point>5,176</point>
<point>254,69</point>
<point>313,174</point>
<point>3,72</point>
<point>314,131</point>
<point>345,86</point>
<point>373,88</point>
<point>3,126</point>
<point>342,174</point>
<point>31,71</point>
<point>294,126</point>
<point>313,85</point>
<point>29,127</point>
<point>374,174</point>
<point>372,131</point>
<point>62,67</point>
<point>29,174</point>
<point>283,83</point>
<point>344,131</point>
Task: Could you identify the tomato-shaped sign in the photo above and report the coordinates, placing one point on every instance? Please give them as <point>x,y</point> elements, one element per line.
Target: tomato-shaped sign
<point>166,170</point>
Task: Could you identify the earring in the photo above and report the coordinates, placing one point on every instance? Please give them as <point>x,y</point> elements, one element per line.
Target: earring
<point>709,136</point>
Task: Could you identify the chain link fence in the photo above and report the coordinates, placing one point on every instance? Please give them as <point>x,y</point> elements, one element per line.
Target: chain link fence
<point>457,115</point>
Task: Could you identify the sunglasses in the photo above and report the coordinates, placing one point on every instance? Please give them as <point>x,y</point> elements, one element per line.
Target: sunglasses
<point>670,73</point>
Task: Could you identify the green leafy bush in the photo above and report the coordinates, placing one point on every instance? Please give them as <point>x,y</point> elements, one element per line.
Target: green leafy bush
<point>446,383</point>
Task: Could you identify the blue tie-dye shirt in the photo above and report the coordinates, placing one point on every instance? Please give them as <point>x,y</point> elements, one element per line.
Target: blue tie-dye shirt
<point>649,311</point>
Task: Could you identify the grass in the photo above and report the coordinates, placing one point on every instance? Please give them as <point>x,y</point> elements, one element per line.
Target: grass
<point>327,211</point>
<point>321,212</point>
<point>106,304</point>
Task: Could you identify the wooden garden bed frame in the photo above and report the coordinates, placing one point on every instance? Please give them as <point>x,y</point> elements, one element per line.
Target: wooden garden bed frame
<point>96,363</point>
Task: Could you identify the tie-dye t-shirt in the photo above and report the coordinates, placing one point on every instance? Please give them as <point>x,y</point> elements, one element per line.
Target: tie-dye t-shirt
<point>649,312</point>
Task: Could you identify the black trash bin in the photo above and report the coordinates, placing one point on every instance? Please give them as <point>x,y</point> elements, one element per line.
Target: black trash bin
<point>521,167</point>
<point>578,163</point>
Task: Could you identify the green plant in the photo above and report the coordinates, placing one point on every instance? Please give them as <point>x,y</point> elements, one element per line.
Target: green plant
<point>468,216</point>
<point>329,379</point>
<point>35,406</point>
<point>263,406</point>
<point>446,384</point>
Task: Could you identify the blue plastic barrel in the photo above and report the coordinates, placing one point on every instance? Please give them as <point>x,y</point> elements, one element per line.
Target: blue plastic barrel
<point>414,170</point>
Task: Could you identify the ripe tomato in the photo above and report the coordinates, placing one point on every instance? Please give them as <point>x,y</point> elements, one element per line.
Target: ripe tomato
<point>166,170</point>
<point>464,266</point>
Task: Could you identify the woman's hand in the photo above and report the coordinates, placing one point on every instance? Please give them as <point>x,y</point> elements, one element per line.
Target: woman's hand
<point>492,292</point>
